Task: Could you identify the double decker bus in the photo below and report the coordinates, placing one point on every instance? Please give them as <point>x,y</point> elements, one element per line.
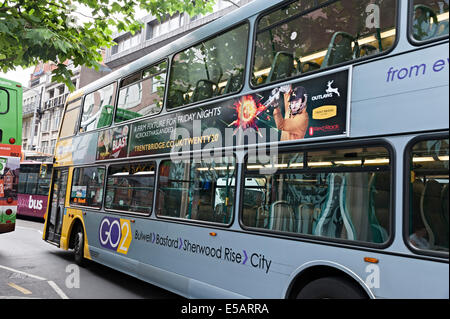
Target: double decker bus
<point>10,150</point>
<point>290,149</point>
<point>34,185</point>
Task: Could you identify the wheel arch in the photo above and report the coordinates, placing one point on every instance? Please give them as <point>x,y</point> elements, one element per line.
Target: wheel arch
<point>78,222</point>
<point>73,226</point>
<point>320,269</point>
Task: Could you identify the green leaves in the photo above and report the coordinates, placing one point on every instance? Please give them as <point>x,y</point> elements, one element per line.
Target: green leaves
<point>38,36</point>
<point>57,30</point>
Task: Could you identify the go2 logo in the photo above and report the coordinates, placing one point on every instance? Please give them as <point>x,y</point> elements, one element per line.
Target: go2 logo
<point>115,234</point>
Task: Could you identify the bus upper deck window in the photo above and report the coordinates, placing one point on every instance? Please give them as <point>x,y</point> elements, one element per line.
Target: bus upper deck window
<point>70,119</point>
<point>209,69</point>
<point>142,93</point>
<point>297,39</point>
<point>98,108</point>
<point>429,19</point>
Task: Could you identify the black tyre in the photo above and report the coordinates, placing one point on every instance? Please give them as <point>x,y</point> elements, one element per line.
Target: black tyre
<point>78,246</point>
<point>331,288</point>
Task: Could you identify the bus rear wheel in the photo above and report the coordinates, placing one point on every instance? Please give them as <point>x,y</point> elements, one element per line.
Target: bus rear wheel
<point>331,288</point>
<point>78,246</point>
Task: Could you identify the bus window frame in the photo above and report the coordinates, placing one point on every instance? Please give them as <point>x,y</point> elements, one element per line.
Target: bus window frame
<point>196,222</point>
<point>406,194</point>
<point>8,101</point>
<point>141,72</point>
<point>127,212</point>
<point>71,204</point>
<point>297,76</point>
<point>323,147</point>
<point>409,29</point>
<point>77,122</point>
<point>244,71</point>
<point>80,116</point>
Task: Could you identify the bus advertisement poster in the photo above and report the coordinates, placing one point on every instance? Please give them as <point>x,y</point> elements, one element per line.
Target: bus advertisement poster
<point>9,178</point>
<point>312,108</point>
<point>113,143</point>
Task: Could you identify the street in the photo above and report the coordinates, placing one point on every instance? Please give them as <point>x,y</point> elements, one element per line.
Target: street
<point>33,268</point>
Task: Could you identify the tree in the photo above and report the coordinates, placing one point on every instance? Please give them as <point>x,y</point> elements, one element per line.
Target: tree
<point>49,30</point>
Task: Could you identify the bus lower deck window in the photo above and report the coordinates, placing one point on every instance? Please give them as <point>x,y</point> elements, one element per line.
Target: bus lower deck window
<point>87,186</point>
<point>428,214</point>
<point>197,191</point>
<point>130,187</point>
<point>340,194</point>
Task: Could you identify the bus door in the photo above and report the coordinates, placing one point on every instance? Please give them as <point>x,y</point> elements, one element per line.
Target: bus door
<point>56,210</point>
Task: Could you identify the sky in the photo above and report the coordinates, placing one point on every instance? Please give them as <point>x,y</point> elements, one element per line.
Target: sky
<point>19,75</point>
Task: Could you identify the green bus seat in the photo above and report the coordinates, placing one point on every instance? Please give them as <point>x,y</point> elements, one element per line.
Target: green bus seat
<point>340,49</point>
<point>416,221</point>
<point>433,218</point>
<point>377,199</point>
<point>204,89</point>
<point>177,98</point>
<point>305,215</point>
<point>334,220</point>
<point>308,66</point>
<point>282,67</point>
<point>281,217</point>
<point>234,82</point>
<point>366,50</point>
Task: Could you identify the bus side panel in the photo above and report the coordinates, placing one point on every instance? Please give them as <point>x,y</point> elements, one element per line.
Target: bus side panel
<point>111,242</point>
<point>188,260</point>
<point>405,93</point>
<point>180,257</point>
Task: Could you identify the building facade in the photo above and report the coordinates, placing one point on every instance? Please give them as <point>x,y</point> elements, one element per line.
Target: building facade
<point>157,34</point>
<point>43,102</point>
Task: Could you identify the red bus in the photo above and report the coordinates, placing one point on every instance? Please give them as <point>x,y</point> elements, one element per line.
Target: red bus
<point>34,183</point>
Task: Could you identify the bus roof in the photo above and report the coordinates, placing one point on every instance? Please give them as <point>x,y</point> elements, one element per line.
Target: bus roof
<point>9,83</point>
